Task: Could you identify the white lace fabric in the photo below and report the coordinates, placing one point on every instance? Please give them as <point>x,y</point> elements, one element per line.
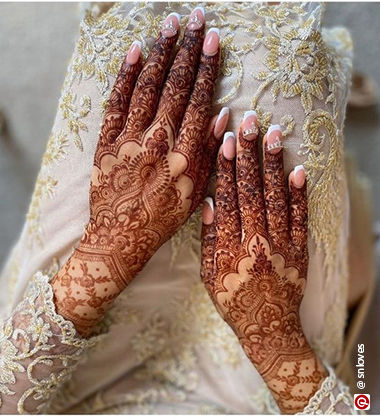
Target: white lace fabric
<point>333,397</point>
<point>38,351</point>
<point>165,349</point>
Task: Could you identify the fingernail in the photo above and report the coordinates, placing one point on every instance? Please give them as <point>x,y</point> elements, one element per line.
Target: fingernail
<point>196,19</point>
<point>208,211</point>
<point>134,52</point>
<point>171,25</point>
<point>250,127</point>
<point>229,145</point>
<point>299,176</point>
<point>211,42</point>
<point>274,139</point>
<point>221,122</point>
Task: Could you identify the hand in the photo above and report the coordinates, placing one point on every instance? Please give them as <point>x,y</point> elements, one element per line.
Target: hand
<point>151,168</point>
<point>255,259</point>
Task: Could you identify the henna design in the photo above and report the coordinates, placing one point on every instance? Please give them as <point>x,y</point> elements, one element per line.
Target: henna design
<point>254,266</point>
<point>144,183</point>
<point>117,110</point>
<point>147,91</point>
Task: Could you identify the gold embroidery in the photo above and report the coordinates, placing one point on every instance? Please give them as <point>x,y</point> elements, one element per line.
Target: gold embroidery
<point>45,184</point>
<point>169,348</point>
<point>101,47</point>
<point>34,331</point>
<point>74,114</point>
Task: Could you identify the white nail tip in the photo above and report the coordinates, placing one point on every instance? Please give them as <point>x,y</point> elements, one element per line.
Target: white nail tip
<point>138,43</point>
<point>224,111</point>
<point>228,134</point>
<point>201,9</point>
<point>213,30</point>
<point>210,202</point>
<point>298,168</point>
<point>273,128</point>
<point>249,114</point>
<point>177,15</point>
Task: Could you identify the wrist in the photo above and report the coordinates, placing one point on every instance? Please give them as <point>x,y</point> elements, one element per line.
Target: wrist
<point>295,378</point>
<point>87,285</point>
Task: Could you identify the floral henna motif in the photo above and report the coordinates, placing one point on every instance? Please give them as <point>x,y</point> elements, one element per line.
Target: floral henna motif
<point>117,110</point>
<point>148,177</point>
<point>254,266</point>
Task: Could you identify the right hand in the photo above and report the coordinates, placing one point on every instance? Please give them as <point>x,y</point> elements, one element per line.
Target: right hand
<point>255,259</point>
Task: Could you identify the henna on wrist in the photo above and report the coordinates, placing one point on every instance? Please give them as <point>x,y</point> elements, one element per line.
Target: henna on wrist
<point>254,263</point>
<point>151,169</point>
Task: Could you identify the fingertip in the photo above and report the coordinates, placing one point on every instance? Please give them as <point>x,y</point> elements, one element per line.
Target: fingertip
<point>273,139</point>
<point>211,42</point>
<point>134,53</point>
<point>208,211</point>
<point>249,126</point>
<point>229,145</point>
<point>298,176</point>
<point>221,122</point>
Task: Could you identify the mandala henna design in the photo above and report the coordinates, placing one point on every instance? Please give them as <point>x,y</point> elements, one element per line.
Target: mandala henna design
<point>144,183</point>
<point>254,266</point>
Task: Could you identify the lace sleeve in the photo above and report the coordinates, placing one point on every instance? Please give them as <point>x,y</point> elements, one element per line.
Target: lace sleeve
<point>333,397</point>
<point>39,350</point>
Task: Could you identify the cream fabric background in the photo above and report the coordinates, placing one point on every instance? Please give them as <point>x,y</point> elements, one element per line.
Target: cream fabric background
<point>164,327</point>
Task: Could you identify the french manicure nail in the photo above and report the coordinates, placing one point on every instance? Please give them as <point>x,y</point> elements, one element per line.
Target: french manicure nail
<point>196,19</point>
<point>221,122</point>
<point>171,25</point>
<point>250,128</point>
<point>274,139</point>
<point>299,176</point>
<point>229,145</point>
<point>208,211</point>
<point>134,53</point>
<point>211,42</point>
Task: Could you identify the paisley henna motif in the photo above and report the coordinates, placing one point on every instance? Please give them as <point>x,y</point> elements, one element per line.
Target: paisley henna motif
<point>151,169</point>
<point>254,266</point>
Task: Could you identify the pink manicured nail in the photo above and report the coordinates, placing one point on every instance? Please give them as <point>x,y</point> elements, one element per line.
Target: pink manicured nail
<point>208,211</point>
<point>221,122</point>
<point>196,19</point>
<point>274,139</point>
<point>134,53</point>
<point>171,25</point>
<point>211,42</point>
<point>299,176</point>
<point>250,126</point>
<point>229,145</point>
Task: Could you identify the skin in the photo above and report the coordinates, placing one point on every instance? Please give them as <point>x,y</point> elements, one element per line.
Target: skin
<point>145,182</point>
<point>254,266</point>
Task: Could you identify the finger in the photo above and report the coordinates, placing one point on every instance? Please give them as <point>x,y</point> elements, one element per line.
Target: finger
<point>117,109</point>
<point>197,115</point>
<point>227,218</point>
<point>214,135</point>
<point>149,83</point>
<point>179,84</point>
<point>248,178</point>
<point>298,208</point>
<point>208,245</point>
<point>276,207</point>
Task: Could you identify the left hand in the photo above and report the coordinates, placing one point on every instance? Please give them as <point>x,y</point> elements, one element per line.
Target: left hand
<point>151,169</point>
<point>255,259</point>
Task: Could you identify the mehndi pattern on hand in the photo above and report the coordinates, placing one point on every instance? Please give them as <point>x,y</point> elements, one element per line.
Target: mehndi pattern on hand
<point>152,164</point>
<point>255,258</point>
